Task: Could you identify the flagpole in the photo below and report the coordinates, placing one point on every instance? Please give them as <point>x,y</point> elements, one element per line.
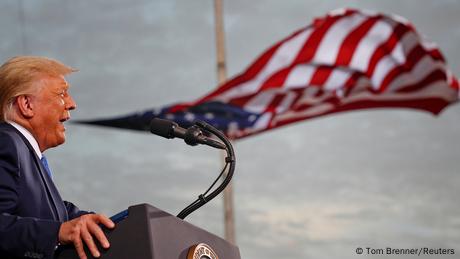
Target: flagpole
<point>229,219</point>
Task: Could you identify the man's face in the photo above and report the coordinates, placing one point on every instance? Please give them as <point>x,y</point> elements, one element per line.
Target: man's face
<point>52,105</point>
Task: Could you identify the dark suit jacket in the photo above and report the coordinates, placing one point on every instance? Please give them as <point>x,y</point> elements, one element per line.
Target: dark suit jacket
<point>31,209</point>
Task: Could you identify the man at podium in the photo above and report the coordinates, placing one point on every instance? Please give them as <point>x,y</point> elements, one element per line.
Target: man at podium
<point>34,104</point>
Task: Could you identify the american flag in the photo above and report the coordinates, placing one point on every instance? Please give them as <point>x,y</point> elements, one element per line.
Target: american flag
<point>346,60</point>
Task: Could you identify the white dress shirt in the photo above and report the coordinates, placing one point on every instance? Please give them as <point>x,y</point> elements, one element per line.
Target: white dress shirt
<point>33,142</point>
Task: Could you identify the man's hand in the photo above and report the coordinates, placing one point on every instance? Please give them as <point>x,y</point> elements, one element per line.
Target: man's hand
<point>84,229</point>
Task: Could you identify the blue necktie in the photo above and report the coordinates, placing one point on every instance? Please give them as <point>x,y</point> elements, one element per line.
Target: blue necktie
<point>45,164</point>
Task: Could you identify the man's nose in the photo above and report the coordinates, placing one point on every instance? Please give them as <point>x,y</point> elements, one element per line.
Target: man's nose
<point>70,103</point>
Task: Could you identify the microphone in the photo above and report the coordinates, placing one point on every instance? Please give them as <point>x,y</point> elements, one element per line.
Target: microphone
<point>192,136</point>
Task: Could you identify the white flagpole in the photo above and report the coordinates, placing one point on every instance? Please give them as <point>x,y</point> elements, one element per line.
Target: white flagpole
<point>229,219</point>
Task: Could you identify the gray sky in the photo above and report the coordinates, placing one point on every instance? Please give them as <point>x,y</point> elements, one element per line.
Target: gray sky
<point>316,189</point>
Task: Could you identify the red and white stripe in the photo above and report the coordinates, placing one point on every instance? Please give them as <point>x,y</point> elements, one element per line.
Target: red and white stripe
<point>346,60</point>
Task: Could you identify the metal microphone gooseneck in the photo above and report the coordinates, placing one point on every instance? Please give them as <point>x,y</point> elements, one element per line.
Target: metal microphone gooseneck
<point>229,163</point>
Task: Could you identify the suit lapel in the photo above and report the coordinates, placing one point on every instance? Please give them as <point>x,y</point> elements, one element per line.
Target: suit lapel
<point>52,191</point>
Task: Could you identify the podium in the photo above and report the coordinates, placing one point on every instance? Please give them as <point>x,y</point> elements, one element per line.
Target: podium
<point>150,233</point>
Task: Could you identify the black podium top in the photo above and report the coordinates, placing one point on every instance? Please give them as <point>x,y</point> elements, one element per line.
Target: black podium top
<point>145,232</point>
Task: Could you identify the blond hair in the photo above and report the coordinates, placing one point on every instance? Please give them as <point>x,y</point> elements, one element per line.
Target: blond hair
<point>17,77</point>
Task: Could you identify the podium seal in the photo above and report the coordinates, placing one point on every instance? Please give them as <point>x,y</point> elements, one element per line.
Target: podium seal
<point>201,251</point>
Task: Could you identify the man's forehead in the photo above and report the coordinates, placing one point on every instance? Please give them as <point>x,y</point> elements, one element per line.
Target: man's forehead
<point>56,81</point>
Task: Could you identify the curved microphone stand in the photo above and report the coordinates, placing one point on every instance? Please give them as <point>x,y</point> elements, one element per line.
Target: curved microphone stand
<point>229,162</point>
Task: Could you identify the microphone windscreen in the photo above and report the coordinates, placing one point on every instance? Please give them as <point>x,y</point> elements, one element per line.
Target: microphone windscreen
<point>164,128</point>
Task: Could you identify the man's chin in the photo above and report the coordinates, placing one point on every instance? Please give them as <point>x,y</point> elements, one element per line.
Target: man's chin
<point>60,141</point>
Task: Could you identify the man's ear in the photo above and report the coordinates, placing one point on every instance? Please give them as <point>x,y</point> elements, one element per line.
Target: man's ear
<point>25,106</point>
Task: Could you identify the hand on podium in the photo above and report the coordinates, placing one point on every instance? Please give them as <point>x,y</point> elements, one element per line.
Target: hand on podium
<point>84,229</point>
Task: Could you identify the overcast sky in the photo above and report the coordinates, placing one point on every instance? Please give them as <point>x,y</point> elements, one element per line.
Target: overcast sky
<point>315,189</point>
